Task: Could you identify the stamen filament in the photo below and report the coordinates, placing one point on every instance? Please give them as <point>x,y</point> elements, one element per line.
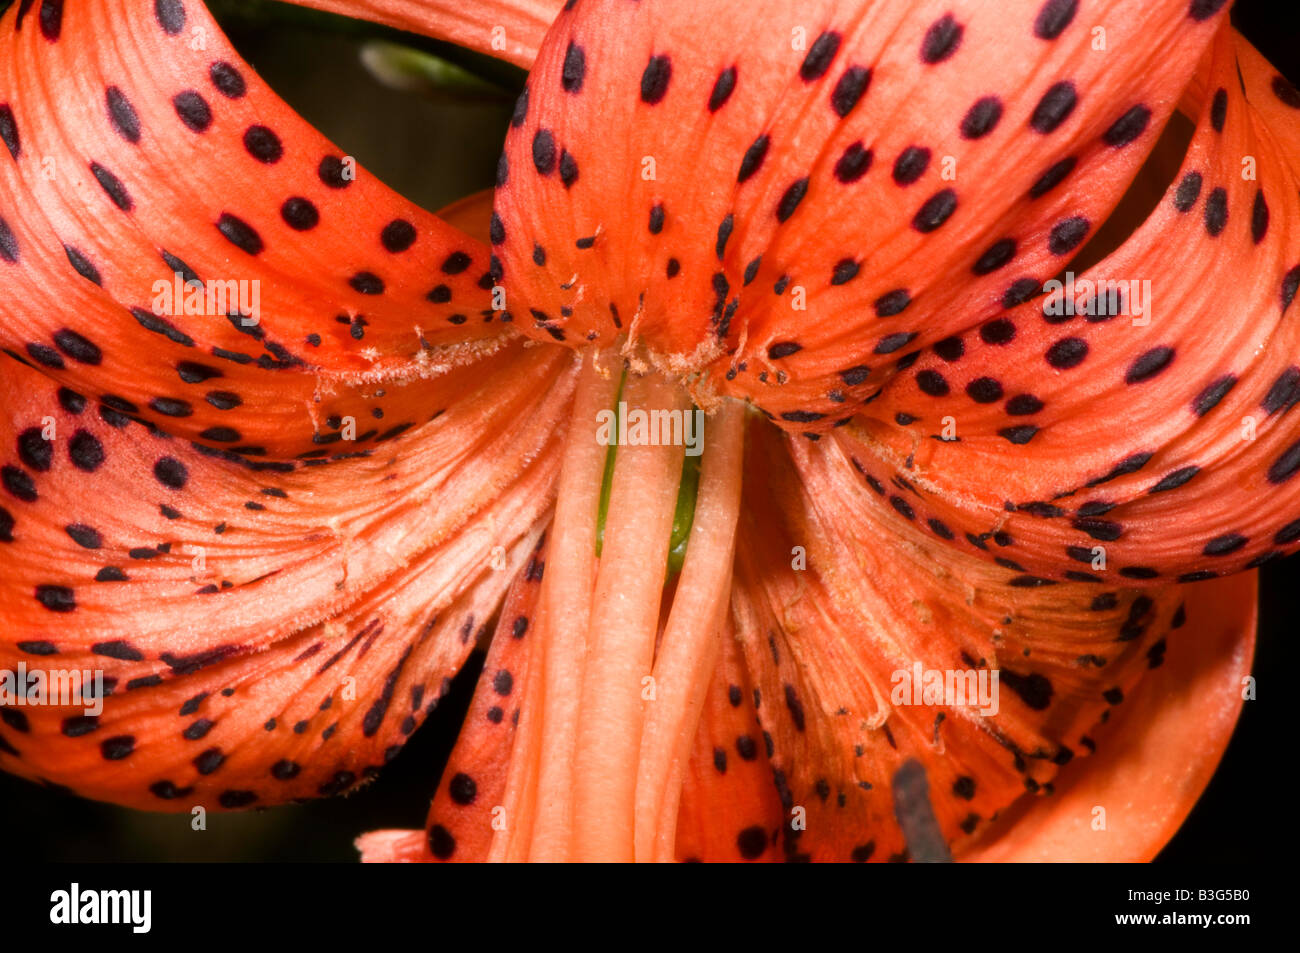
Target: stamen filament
<point>622,634</point>
<point>690,644</point>
<point>565,608</point>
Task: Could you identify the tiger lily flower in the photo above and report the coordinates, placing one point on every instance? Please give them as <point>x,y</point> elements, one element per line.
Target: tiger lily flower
<point>280,528</point>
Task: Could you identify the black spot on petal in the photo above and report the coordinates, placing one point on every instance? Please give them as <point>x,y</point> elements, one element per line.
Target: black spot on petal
<point>911,164</point>
<point>1204,9</point>
<point>850,89</point>
<point>654,80</point>
<point>819,57</point>
<point>1127,127</point>
<point>1216,212</point>
<point>1149,364</point>
<point>936,210</point>
<point>263,144</point>
<point>170,15</point>
<point>723,87</point>
<point>982,118</point>
<point>1054,17</point>
<point>853,164</point>
<point>574,70</point>
<point>122,115</point>
<point>240,234</point>
<point>1054,108</point>
<point>9,130</point>
<point>941,39</point>
<point>112,187</point>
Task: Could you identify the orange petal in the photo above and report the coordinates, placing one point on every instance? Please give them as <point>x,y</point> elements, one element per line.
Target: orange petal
<point>729,808</point>
<point>392,847</point>
<point>137,158</point>
<point>833,647</point>
<point>1089,439</point>
<point>188,580</point>
<point>509,29</point>
<point>1156,757</point>
<point>469,809</point>
<point>790,217</point>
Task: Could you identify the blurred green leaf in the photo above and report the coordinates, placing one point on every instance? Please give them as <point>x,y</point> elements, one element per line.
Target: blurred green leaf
<point>416,71</point>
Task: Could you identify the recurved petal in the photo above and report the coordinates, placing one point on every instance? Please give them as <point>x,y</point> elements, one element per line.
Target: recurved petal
<point>181,576</point>
<point>469,808</point>
<point>807,196</point>
<point>729,810</point>
<point>175,236</point>
<point>311,715</point>
<point>1138,420</point>
<point>844,634</point>
<point>1155,757</point>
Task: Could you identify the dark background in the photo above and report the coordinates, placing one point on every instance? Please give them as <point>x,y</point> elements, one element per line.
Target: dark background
<point>435,149</point>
